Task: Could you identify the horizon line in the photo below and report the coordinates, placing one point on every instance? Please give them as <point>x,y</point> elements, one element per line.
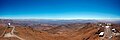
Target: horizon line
<point>68,18</point>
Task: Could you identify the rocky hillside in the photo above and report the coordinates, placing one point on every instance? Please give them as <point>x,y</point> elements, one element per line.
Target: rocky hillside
<point>62,32</point>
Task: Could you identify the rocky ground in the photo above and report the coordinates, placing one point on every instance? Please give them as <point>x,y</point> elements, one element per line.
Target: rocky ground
<point>76,31</point>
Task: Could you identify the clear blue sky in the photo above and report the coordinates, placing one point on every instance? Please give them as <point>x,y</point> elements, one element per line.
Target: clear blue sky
<point>59,9</point>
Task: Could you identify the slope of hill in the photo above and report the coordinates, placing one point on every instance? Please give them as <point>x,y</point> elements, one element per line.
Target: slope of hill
<point>73,31</point>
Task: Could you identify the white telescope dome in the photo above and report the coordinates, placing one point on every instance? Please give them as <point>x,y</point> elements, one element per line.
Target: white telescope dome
<point>113,29</point>
<point>101,33</point>
<point>107,26</point>
<point>8,23</point>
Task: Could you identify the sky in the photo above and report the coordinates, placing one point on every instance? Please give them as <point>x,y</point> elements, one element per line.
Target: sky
<point>59,9</point>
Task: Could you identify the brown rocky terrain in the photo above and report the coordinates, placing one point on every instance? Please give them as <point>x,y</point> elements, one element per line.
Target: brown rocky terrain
<point>75,31</point>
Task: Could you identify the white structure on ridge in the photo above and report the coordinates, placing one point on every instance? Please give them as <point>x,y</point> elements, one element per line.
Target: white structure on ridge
<point>9,24</point>
<point>11,34</point>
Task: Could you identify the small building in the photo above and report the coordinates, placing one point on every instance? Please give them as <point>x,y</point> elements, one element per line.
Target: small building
<point>9,24</point>
<point>114,30</point>
<point>101,34</point>
<point>107,26</point>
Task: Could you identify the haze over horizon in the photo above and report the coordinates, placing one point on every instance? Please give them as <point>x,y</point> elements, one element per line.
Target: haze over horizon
<point>60,9</point>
